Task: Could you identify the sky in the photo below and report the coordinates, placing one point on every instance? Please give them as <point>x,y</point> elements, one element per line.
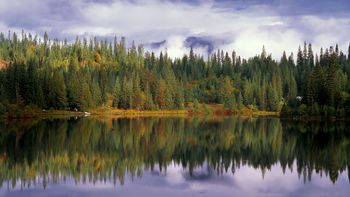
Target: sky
<point>177,25</point>
<point>176,181</point>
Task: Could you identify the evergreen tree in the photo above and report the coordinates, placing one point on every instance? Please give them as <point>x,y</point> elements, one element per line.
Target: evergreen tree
<point>161,94</point>
<point>117,93</point>
<point>59,88</point>
<point>316,86</point>
<point>332,88</point>
<point>349,53</point>
<point>292,92</point>
<point>239,100</point>
<point>88,74</point>
<point>272,96</point>
<point>226,90</point>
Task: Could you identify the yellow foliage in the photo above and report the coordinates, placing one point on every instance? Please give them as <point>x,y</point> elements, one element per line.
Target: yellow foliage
<point>98,57</point>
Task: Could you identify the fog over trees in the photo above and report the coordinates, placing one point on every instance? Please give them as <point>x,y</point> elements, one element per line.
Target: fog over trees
<point>55,74</point>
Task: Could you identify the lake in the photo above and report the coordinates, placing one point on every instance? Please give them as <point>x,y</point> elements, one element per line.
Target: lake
<point>227,156</point>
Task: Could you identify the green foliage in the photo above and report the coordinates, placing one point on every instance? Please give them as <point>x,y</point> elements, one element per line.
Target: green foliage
<point>239,100</point>
<point>273,102</point>
<point>84,75</point>
<point>195,106</point>
<point>302,110</point>
<point>116,93</point>
<point>315,110</point>
<point>53,150</point>
<point>207,109</point>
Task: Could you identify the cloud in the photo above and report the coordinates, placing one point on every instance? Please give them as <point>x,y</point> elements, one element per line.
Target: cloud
<point>206,25</point>
<point>327,31</point>
<point>176,181</point>
<point>250,41</point>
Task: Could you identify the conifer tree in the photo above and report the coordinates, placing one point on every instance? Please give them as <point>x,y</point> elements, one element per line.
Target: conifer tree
<point>272,98</point>
<point>91,73</point>
<point>116,93</point>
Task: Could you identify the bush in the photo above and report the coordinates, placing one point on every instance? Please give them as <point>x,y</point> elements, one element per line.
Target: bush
<point>155,107</point>
<point>302,110</point>
<point>287,111</point>
<point>195,105</point>
<point>28,111</point>
<point>328,111</point>
<point>284,110</point>
<point>207,110</point>
<point>315,110</point>
<point>253,107</point>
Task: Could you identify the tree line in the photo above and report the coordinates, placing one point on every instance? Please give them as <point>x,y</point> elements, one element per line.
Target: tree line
<point>88,73</point>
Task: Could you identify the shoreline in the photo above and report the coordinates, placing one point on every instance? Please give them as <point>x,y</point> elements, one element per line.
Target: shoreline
<point>314,118</point>
<point>205,110</point>
<point>214,110</point>
<point>132,113</point>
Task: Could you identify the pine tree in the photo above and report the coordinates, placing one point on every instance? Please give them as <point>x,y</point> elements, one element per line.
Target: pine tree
<point>299,74</point>
<point>332,88</point>
<point>60,90</point>
<point>39,96</point>
<point>85,97</point>
<point>292,92</point>
<point>226,90</point>
<point>248,94</point>
<point>126,95</point>
<point>149,104</point>
<point>316,86</point>
<point>96,94</point>
<point>73,91</point>
<point>310,57</point>
<point>57,97</point>
<point>263,53</point>
<point>272,97</point>
<point>83,75</point>
<point>117,93</point>
<point>262,97</point>
<point>161,94</point>
<point>179,98</point>
<point>349,53</point>
<point>239,99</point>
<point>138,96</point>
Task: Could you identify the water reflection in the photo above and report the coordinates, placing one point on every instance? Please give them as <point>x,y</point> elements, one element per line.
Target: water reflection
<point>243,154</point>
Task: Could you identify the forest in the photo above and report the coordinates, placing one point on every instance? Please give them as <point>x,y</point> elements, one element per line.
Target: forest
<point>84,74</point>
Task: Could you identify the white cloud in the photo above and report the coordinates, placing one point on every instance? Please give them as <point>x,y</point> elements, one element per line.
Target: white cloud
<point>244,30</point>
<point>174,174</point>
<point>327,31</point>
<point>251,41</point>
<point>180,20</point>
<point>248,29</point>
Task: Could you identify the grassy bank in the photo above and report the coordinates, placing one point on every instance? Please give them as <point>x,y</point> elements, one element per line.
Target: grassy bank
<point>200,110</point>
<point>253,112</point>
<point>30,113</point>
<point>107,111</point>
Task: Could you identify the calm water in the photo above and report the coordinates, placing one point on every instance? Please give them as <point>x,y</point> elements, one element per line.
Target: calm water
<point>174,156</point>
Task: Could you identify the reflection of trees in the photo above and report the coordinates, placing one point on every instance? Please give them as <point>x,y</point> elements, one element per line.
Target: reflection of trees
<point>322,147</point>
<point>91,150</point>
